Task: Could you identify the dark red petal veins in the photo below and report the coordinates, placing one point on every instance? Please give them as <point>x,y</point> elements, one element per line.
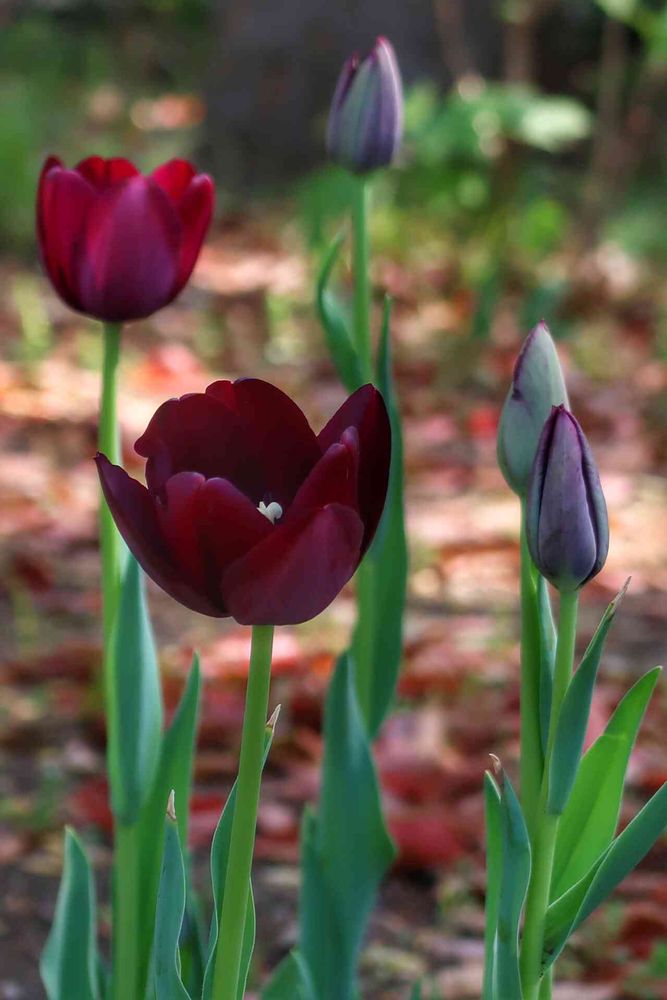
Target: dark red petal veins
<point>134,512</point>
<point>332,480</point>
<point>365,409</point>
<point>297,571</point>
<point>128,264</point>
<point>174,178</point>
<point>103,173</point>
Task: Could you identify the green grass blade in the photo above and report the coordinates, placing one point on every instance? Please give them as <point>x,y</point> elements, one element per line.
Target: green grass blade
<point>69,961</point>
<point>573,717</point>
<point>589,821</point>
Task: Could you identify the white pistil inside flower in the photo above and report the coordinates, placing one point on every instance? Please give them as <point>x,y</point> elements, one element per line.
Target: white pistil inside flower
<point>272,510</point>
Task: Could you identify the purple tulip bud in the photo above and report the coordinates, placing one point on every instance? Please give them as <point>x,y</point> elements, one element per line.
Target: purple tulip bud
<point>366,116</point>
<point>566,515</point>
<point>537,385</point>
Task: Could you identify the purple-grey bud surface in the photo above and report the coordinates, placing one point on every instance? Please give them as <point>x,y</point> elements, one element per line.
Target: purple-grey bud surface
<point>537,385</point>
<point>366,116</point>
<point>566,514</point>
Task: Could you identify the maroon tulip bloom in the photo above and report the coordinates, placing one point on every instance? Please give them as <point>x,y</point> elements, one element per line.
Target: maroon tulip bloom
<point>118,245</point>
<point>248,512</point>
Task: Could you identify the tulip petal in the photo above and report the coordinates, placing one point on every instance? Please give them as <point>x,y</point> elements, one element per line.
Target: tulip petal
<point>103,173</point>
<point>297,571</point>
<point>198,433</point>
<point>63,201</point>
<point>366,411</point>
<point>229,526</point>
<point>332,480</point>
<point>134,512</point>
<point>567,548</point>
<point>127,263</point>
<point>195,210</point>
<point>278,438</point>
<point>174,178</point>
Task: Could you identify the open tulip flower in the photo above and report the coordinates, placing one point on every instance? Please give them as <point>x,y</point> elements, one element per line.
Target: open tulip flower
<point>247,511</point>
<point>118,245</point>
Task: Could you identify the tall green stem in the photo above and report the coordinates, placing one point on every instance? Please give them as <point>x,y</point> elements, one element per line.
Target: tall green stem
<point>532,760</point>
<point>547,824</point>
<point>242,842</point>
<point>362,281</point>
<point>109,445</point>
<point>125,904</point>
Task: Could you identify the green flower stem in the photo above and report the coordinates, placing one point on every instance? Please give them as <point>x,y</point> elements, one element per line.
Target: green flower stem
<point>532,760</point>
<point>109,445</point>
<point>242,842</point>
<point>547,824</point>
<point>362,282</point>
<point>125,878</point>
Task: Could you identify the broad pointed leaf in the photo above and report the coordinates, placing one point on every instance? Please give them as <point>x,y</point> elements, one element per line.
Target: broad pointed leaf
<point>513,889</point>
<point>336,324</point>
<point>590,819</point>
<point>290,981</point>
<point>135,702</point>
<point>167,982</point>
<point>69,960</point>
<point>573,717</point>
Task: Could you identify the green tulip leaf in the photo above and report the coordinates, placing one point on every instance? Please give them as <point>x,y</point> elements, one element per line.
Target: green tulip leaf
<point>573,717</point>
<point>493,812</point>
<point>219,861</point>
<point>589,821</point>
<point>167,982</point>
<point>381,579</point>
<point>174,771</point>
<point>346,848</point>
<point>69,961</point>
<point>513,889</point>
<point>625,853</point>
<point>135,702</point>
<point>290,981</point>
<point>336,324</point>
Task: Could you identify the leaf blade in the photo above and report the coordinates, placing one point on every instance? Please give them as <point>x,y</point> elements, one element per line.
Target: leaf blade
<point>68,964</point>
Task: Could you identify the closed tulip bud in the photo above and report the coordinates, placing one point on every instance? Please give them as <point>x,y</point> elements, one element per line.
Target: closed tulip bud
<point>566,514</point>
<point>366,116</point>
<point>537,385</point>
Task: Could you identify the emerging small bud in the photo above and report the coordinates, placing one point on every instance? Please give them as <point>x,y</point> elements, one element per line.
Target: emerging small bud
<point>537,385</point>
<point>566,514</point>
<point>171,806</point>
<point>366,116</point>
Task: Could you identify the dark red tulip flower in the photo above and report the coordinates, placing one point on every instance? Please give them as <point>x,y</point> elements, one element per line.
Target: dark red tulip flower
<point>118,245</point>
<point>247,511</point>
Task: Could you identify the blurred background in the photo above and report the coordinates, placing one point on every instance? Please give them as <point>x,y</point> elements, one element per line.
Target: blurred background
<point>531,185</point>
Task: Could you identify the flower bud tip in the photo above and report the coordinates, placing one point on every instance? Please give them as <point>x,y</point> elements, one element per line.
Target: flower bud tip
<point>171,806</point>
